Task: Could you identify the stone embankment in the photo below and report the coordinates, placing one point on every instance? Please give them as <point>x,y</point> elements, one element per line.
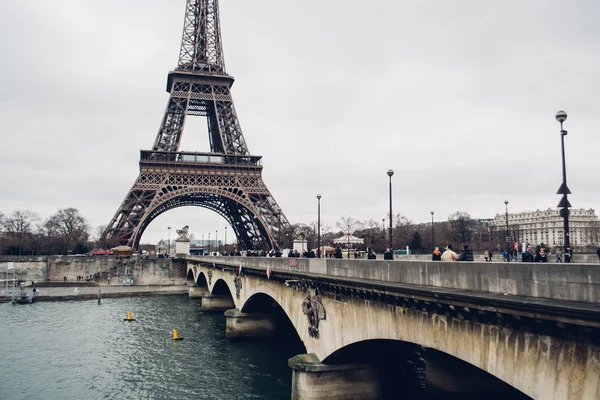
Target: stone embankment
<point>73,291</point>
<point>56,277</point>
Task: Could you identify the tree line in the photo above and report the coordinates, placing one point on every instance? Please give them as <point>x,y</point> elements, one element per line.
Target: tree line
<point>458,229</point>
<point>23,232</point>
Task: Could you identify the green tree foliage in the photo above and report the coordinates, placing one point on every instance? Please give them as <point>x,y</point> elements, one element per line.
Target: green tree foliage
<point>415,242</point>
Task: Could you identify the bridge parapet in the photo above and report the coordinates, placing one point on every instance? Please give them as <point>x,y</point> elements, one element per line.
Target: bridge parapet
<point>546,347</point>
<point>570,282</point>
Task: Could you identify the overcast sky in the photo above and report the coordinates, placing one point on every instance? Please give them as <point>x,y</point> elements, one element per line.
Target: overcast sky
<point>457,97</point>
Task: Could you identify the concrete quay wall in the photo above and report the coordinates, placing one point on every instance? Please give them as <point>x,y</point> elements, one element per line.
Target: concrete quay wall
<point>160,271</point>
<point>572,282</point>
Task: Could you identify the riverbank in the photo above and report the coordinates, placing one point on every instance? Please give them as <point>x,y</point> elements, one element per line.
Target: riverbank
<point>76,292</point>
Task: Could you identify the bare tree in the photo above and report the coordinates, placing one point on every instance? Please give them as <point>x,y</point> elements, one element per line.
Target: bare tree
<point>593,235</point>
<point>460,227</point>
<point>69,225</point>
<point>99,237</point>
<point>346,222</point>
<point>19,225</point>
<point>402,231</point>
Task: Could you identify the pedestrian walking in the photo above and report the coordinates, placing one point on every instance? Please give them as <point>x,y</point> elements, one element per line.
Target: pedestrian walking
<point>598,253</point>
<point>558,256</point>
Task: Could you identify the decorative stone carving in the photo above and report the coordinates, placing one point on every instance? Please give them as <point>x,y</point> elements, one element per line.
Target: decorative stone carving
<point>209,273</point>
<point>238,286</point>
<point>315,312</point>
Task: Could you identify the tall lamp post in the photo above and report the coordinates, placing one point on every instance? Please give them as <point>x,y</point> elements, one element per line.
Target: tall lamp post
<point>203,245</point>
<point>348,242</point>
<point>319,226</point>
<point>225,245</point>
<point>208,244</point>
<point>506,239</point>
<point>432,234</point>
<point>216,241</point>
<point>564,204</point>
<point>169,242</point>
<point>383,230</point>
<point>390,173</point>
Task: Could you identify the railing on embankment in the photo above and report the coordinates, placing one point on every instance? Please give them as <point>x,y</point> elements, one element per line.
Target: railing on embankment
<point>570,282</point>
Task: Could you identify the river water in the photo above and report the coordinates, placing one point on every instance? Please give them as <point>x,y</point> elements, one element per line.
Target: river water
<point>82,350</point>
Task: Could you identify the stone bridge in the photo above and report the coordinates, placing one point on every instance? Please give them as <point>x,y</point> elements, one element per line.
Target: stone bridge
<point>534,327</point>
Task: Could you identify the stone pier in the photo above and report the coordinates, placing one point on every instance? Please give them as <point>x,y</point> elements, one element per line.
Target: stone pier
<point>239,324</point>
<point>313,380</point>
<point>216,302</point>
<point>197,292</point>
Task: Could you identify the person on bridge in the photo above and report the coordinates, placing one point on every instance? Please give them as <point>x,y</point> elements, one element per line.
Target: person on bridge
<point>449,255</point>
<point>558,256</point>
<point>338,252</point>
<point>527,255</point>
<point>541,256</point>
<point>436,255</point>
<point>388,255</point>
<point>466,254</point>
<point>598,253</point>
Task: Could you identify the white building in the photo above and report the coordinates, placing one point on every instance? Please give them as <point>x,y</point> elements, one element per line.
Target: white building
<point>546,226</point>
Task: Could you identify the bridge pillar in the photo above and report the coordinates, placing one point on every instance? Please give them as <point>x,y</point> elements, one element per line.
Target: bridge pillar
<point>313,380</point>
<point>239,324</point>
<point>197,292</point>
<point>217,302</point>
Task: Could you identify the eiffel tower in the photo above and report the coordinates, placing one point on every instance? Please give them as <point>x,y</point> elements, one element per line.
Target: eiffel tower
<point>228,180</point>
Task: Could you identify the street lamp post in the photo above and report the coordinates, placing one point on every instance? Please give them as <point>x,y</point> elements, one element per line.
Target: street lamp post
<point>216,241</point>
<point>506,238</point>
<point>383,230</point>
<point>390,173</point>
<point>225,245</point>
<point>319,226</point>
<point>432,234</point>
<point>348,242</point>
<point>208,244</point>
<point>564,204</point>
<point>169,242</point>
<point>202,244</point>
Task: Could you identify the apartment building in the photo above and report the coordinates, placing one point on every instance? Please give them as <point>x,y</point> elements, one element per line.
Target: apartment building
<point>546,226</point>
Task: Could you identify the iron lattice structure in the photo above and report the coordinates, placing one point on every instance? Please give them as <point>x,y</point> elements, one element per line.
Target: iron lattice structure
<point>228,180</point>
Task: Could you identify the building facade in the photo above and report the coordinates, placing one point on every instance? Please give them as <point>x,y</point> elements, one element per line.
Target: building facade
<point>546,226</point>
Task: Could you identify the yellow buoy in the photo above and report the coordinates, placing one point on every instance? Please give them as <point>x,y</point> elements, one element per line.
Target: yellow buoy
<point>176,335</point>
<point>129,317</point>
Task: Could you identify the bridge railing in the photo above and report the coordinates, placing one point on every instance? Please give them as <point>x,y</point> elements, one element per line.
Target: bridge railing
<point>572,282</point>
<point>198,158</point>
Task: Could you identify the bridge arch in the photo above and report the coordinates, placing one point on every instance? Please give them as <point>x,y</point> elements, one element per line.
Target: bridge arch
<point>262,303</point>
<point>416,370</point>
<point>221,287</point>
<point>232,204</point>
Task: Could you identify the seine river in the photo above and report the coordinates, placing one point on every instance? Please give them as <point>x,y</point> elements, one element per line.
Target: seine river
<point>82,350</point>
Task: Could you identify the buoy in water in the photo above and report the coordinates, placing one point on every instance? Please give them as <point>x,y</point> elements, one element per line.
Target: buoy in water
<point>129,317</point>
<point>176,335</point>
